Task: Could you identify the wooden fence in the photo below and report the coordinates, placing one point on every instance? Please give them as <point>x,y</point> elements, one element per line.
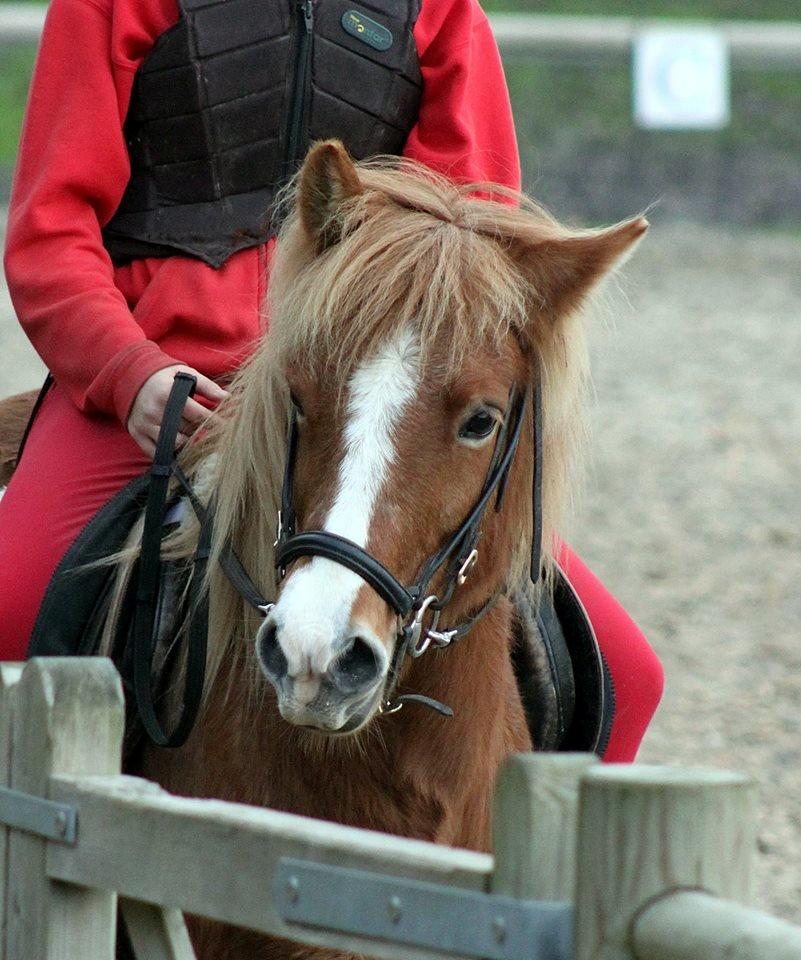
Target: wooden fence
<point>590,862</point>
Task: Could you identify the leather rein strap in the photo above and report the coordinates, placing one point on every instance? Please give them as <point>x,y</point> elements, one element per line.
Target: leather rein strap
<point>148,587</point>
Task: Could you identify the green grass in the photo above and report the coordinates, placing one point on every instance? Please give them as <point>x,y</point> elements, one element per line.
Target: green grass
<point>583,155</point>
<point>689,9</point>
<point>549,96</point>
<point>709,9</point>
<point>16,63</point>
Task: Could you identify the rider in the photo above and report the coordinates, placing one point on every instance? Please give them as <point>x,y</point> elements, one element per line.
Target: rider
<point>154,139</point>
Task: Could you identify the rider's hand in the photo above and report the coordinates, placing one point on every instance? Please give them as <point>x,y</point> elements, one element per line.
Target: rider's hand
<point>147,411</point>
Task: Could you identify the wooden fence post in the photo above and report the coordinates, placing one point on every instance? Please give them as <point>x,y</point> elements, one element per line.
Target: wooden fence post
<point>644,831</point>
<point>9,675</point>
<point>534,824</point>
<point>68,719</point>
<point>156,933</point>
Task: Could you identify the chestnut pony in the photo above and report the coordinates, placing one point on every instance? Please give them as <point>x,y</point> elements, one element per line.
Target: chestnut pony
<point>405,313</point>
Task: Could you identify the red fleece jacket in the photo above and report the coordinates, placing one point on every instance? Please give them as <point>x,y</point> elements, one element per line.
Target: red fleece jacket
<point>103,330</point>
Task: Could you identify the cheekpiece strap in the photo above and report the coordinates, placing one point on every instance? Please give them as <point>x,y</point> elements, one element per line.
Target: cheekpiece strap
<point>536,492</point>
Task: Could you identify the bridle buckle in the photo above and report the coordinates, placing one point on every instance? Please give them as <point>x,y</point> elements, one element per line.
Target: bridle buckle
<point>418,647</point>
<point>388,707</point>
<point>441,638</point>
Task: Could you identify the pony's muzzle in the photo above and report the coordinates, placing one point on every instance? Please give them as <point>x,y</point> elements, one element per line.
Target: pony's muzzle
<point>334,686</point>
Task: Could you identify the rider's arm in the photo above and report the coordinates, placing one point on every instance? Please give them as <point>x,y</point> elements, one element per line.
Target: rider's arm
<point>71,172</point>
<point>465,129</point>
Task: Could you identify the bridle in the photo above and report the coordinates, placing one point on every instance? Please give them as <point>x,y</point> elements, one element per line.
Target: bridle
<point>412,605</point>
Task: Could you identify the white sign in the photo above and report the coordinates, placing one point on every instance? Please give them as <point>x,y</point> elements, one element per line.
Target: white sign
<point>681,79</point>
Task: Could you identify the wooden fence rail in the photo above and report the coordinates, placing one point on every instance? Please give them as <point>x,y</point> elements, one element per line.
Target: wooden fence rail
<point>753,44</point>
<point>626,863</point>
<point>694,926</point>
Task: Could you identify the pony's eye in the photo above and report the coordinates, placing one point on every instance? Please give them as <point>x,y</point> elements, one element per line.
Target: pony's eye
<point>480,426</point>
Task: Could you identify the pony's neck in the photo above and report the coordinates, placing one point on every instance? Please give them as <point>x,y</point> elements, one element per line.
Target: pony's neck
<point>413,773</point>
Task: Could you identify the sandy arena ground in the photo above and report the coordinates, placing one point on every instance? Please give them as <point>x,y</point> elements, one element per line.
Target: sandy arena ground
<point>692,511</point>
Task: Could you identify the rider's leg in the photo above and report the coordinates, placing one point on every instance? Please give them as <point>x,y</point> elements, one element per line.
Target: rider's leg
<point>72,465</point>
<point>636,671</point>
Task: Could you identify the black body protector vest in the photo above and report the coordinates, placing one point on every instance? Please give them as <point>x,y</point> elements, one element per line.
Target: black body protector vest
<point>228,101</point>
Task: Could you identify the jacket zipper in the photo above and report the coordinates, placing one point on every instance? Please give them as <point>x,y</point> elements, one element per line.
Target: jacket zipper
<point>297,111</point>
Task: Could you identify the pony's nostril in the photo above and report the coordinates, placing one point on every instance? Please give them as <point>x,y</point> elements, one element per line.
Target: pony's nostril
<point>357,666</point>
<point>271,656</point>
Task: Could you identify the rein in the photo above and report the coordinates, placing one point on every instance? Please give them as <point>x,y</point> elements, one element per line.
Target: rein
<point>411,604</point>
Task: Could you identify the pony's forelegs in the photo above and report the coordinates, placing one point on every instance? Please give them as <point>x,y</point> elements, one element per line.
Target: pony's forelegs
<point>14,415</point>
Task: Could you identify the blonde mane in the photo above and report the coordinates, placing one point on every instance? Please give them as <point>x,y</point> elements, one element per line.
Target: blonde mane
<point>413,249</point>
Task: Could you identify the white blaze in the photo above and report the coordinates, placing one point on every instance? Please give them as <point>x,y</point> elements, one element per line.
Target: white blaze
<point>315,606</point>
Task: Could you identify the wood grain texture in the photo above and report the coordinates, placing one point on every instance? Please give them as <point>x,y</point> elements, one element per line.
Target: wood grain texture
<point>68,718</point>
<point>644,831</point>
<point>534,830</point>
<point>9,677</point>
<point>696,926</point>
<point>156,933</point>
<point>218,859</point>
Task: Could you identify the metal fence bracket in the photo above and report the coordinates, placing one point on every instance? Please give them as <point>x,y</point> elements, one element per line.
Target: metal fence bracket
<point>45,818</point>
<point>438,917</point>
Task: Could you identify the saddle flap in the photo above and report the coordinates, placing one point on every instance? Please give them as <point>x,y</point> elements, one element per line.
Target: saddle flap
<point>71,616</point>
<point>564,684</point>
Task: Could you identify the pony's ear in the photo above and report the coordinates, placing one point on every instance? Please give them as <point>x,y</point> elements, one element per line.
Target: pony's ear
<point>564,268</point>
<point>328,178</point>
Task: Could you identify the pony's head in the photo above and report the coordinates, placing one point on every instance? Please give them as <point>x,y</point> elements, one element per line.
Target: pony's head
<point>405,313</point>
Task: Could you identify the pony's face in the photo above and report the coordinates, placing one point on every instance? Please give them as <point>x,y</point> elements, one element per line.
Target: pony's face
<point>393,463</point>
<point>394,447</point>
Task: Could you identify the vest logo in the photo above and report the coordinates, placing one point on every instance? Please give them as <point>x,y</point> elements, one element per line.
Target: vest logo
<point>362,27</point>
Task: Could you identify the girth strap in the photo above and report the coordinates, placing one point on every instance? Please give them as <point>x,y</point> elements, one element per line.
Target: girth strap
<point>37,406</point>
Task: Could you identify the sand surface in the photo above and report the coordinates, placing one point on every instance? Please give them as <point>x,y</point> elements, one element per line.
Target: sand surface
<point>692,511</point>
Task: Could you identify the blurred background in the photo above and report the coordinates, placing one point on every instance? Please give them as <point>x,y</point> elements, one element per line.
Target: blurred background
<point>691,511</point>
